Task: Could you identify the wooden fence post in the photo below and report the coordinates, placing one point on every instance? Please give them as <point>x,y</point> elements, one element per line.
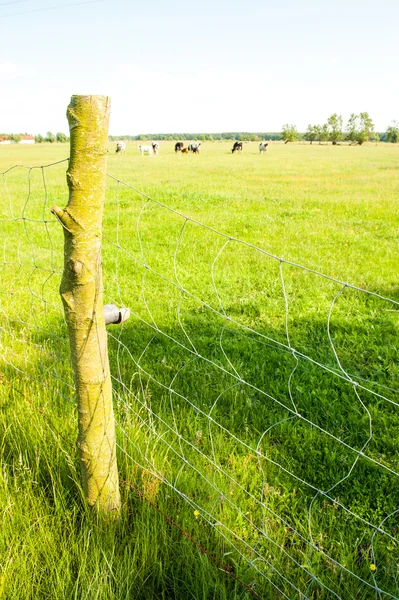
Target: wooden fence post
<point>82,296</point>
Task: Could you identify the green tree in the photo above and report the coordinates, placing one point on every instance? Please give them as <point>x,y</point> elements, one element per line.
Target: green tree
<point>324,133</point>
<point>15,137</point>
<point>360,128</point>
<point>39,139</point>
<point>50,137</point>
<point>61,137</point>
<point>334,124</point>
<point>289,133</point>
<point>311,133</point>
<point>376,137</point>
<point>366,127</point>
<point>392,133</point>
<point>352,128</point>
<point>317,131</point>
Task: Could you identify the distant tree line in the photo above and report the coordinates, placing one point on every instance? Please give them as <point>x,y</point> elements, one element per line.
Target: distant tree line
<point>50,137</point>
<point>203,137</point>
<point>359,129</point>
<point>12,137</point>
<point>39,139</point>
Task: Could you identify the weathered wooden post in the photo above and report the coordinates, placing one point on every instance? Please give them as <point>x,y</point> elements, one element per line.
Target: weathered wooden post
<point>82,296</point>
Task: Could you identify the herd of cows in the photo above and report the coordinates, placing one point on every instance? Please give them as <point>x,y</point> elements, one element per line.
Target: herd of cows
<point>194,147</point>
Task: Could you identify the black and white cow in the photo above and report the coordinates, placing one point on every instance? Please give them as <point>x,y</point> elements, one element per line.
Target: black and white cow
<point>263,146</point>
<point>120,147</point>
<point>195,147</point>
<point>237,147</point>
<point>179,146</point>
<point>155,148</point>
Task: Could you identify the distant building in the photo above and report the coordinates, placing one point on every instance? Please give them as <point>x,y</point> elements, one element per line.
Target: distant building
<point>27,139</point>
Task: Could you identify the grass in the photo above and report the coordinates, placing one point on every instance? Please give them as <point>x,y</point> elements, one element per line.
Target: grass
<point>206,406</point>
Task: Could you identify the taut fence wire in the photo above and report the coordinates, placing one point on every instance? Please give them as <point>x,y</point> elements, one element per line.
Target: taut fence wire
<point>256,399</point>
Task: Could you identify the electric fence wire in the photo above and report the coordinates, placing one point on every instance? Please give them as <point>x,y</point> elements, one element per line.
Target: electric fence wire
<point>290,563</point>
<point>191,348</point>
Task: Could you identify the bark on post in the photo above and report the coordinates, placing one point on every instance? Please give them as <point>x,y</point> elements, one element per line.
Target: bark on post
<point>82,296</point>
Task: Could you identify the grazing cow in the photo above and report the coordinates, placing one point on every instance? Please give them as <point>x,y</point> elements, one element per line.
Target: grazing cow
<point>237,147</point>
<point>195,147</point>
<point>120,147</point>
<point>263,147</point>
<point>155,148</point>
<point>179,146</point>
<point>184,150</point>
<point>146,150</point>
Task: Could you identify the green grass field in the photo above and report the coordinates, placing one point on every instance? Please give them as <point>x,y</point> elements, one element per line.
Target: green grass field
<point>256,401</point>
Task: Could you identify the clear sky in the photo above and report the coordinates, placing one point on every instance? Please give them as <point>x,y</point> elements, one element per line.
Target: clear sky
<point>205,66</point>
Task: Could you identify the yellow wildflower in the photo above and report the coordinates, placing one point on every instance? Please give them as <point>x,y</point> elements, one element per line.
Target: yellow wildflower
<point>196,513</point>
<point>373,567</point>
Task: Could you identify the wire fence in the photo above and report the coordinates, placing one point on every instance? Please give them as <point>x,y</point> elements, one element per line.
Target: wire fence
<point>254,396</point>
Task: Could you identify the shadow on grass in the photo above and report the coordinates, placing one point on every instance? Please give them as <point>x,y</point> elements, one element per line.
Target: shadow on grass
<point>269,447</point>
<point>248,446</point>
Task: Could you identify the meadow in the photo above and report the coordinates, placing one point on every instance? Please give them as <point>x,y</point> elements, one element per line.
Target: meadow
<point>256,399</point>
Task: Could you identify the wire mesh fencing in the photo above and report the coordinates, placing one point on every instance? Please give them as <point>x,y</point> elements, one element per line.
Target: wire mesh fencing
<point>255,398</point>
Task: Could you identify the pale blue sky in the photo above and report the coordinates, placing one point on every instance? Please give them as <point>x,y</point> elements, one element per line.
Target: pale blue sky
<point>181,66</point>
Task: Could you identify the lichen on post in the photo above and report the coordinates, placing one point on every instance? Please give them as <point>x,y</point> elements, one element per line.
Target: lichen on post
<point>82,296</point>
